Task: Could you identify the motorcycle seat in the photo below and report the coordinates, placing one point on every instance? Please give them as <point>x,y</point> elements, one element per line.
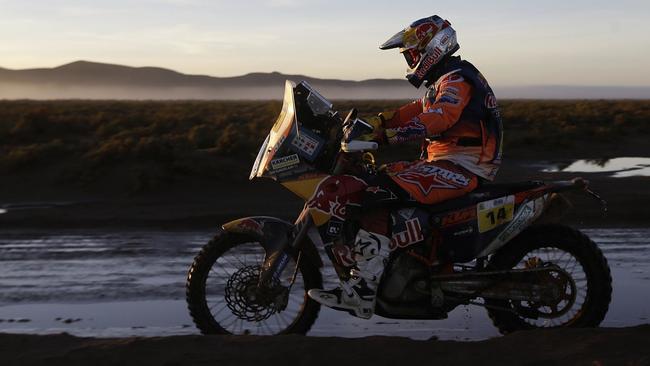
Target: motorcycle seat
<point>484,192</point>
<point>507,188</point>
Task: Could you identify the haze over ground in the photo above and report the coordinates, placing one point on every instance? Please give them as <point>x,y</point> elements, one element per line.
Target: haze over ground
<point>89,80</point>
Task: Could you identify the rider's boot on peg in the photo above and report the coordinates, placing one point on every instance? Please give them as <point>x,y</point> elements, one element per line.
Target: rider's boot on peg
<point>357,295</point>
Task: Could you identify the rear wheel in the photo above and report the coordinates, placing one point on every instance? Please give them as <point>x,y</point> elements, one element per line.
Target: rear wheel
<point>223,296</point>
<point>582,274</point>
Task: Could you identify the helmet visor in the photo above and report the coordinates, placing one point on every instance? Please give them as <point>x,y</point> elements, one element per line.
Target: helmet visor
<point>394,42</point>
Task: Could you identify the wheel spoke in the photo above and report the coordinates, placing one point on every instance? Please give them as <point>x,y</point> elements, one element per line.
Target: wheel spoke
<point>236,304</point>
<point>572,280</point>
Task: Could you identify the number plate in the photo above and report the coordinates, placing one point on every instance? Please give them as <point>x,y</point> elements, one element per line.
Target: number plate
<point>495,213</point>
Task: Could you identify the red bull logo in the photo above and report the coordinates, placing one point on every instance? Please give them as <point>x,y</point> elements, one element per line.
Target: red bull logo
<point>335,193</point>
<point>343,255</point>
<point>427,63</point>
<point>425,33</point>
<point>411,235</point>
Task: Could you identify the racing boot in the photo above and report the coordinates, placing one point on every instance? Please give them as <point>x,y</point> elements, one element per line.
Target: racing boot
<point>357,295</point>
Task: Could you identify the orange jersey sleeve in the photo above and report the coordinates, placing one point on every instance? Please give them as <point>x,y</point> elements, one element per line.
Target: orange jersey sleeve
<point>403,115</point>
<point>443,110</point>
<point>437,112</point>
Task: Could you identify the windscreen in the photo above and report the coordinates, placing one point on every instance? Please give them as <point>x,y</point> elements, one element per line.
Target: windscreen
<point>282,127</point>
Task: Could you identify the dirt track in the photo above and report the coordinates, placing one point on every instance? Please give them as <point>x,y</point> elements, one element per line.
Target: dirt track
<point>608,346</point>
<point>207,204</point>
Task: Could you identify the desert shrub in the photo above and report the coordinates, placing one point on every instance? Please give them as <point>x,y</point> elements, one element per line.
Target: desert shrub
<point>154,141</point>
<point>27,155</point>
<point>203,136</point>
<point>114,150</point>
<point>153,149</point>
<point>230,140</point>
<point>32,125</point>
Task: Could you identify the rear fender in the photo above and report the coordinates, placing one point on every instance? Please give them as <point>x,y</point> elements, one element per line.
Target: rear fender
<point>538,205</point>
<point>556,208</point>
<point>273,234</point>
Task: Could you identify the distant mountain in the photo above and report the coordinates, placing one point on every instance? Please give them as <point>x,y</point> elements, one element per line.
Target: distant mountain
<point>91,80</point>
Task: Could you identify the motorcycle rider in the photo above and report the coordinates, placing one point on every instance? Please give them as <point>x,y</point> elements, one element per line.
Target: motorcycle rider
<point>459,119</point>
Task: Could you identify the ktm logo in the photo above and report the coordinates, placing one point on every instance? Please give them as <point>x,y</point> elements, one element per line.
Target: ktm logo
<point>458,217</point>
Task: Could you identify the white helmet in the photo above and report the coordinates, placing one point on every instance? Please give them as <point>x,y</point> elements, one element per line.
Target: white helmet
<point>424,44</point>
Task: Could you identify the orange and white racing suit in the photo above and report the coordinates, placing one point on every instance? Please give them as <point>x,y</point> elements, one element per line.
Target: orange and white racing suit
<point>460,119</point>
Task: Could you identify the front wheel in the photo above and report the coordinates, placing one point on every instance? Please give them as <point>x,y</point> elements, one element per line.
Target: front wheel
<point>585,279</point>
<point>223,296</point>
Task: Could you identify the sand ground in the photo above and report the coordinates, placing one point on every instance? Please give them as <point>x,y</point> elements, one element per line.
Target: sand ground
<point>605,346</point>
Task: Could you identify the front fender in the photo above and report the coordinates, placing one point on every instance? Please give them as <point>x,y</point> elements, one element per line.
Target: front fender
<point>273,234</point>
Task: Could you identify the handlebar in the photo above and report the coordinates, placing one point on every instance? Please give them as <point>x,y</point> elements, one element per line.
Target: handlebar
<point>359,146</point>
<point>352,129</point>
<point>352,116</point>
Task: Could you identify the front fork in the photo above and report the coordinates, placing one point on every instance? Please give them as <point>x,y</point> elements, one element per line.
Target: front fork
<point>278,257</point>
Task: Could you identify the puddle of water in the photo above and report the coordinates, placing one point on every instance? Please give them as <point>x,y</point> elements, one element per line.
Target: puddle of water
<point>641,172</point>
<point>132,283</point>
<point>33,206</point>
<point>620,167</point>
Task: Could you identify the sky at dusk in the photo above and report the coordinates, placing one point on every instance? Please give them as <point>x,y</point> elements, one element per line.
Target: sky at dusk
<point>513,42</point>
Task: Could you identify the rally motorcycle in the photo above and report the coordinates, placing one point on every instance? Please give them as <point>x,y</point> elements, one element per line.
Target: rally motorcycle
<point>496,247</point>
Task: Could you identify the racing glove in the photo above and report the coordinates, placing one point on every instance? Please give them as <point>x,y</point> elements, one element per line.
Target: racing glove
<point>413,131</point>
